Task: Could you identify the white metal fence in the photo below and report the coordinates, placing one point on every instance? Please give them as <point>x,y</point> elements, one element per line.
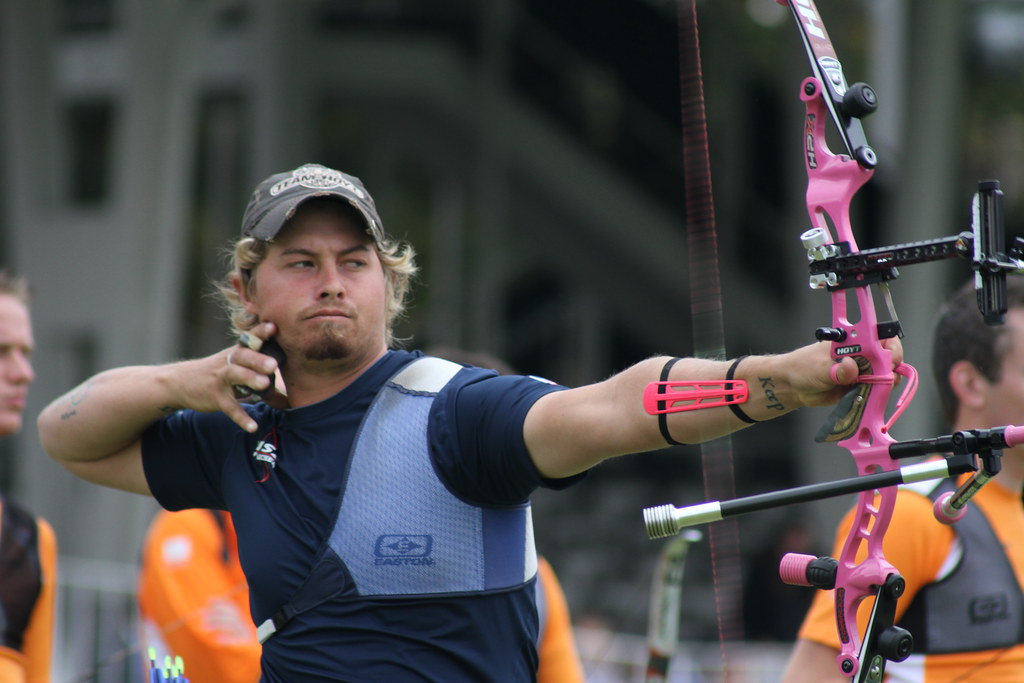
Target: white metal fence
<point>96,639</point>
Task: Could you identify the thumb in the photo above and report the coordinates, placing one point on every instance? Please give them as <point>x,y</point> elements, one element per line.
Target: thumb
<point>845,371</point>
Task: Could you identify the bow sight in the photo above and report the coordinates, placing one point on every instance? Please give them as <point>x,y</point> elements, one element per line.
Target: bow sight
<point>833,266</point>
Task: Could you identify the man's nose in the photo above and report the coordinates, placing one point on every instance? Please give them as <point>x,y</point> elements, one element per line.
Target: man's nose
<point>332,283</point>
<point>17,368</point>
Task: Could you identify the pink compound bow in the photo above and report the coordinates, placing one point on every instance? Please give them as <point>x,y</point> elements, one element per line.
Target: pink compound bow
<point>860,423</point>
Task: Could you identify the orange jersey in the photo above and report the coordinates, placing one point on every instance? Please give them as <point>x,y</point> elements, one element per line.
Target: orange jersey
<point>32,663</point>
<point>559,661</point>
<point>918,547</point>
<point>193,598</point>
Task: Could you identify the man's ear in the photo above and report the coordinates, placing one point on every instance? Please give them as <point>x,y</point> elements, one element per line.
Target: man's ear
<point>243,292</point>
<point>969,385</point>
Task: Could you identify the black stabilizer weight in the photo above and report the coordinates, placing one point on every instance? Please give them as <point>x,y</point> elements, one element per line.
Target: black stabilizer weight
<point>895,643</point>
<point>860,100</point>
<point>821,573</point>
<point>894,586</point>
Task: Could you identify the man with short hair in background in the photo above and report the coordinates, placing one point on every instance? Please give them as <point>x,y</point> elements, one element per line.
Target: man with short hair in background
<point>28,546</point>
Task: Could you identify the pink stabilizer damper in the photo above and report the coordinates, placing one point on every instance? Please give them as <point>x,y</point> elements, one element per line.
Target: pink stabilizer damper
<point>944,513</point>
<point>1013,434</point>
<point>793,568</point>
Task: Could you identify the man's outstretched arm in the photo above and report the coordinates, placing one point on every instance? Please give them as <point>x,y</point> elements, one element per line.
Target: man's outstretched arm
<point>570,431</point>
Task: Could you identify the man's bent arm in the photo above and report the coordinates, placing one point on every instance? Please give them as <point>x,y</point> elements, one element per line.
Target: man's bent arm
<point>95,429</point>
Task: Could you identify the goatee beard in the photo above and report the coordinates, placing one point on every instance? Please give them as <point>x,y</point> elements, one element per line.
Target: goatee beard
<point>330,344</point>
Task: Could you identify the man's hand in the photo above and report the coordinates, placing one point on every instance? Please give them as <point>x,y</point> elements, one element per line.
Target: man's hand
<point>211,384</point>
<point>818,380</point>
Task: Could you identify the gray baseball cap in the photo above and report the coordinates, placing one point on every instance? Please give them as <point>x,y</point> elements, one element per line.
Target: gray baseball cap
<point>275,199</point>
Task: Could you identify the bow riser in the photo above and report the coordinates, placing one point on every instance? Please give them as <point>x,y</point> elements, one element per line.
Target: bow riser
<point>833,181</point>
<point>861,579</point>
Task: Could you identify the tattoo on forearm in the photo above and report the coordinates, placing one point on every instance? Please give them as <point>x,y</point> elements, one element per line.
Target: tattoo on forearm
<point>768,386</point>
<point>75,398</point>
<point>79,393</point>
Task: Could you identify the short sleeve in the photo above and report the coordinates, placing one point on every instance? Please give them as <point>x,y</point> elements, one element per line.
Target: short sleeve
<point>183,456</point>
<point>476,437</point>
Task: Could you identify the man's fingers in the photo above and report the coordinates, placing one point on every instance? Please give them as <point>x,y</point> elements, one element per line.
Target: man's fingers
<point>245,372</point>
<point>236,412</point>
<point>255,337</point>
<point>250,341</point>
<point>245,383</point>
<point>241,361</point>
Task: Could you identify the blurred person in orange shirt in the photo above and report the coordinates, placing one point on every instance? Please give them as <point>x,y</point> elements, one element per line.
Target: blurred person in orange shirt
<point>28,546</point>
<point>193,598</point>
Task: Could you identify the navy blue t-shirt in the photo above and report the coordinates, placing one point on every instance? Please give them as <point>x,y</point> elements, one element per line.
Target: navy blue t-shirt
<point>476,425</point>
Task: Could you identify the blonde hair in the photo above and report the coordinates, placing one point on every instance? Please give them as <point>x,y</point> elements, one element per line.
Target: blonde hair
<point>397,260</point>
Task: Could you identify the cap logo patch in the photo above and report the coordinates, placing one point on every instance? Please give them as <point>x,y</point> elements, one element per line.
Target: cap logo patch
<point>316,178</point>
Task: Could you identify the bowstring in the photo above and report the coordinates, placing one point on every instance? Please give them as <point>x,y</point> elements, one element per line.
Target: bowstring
<point>708,327</point>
